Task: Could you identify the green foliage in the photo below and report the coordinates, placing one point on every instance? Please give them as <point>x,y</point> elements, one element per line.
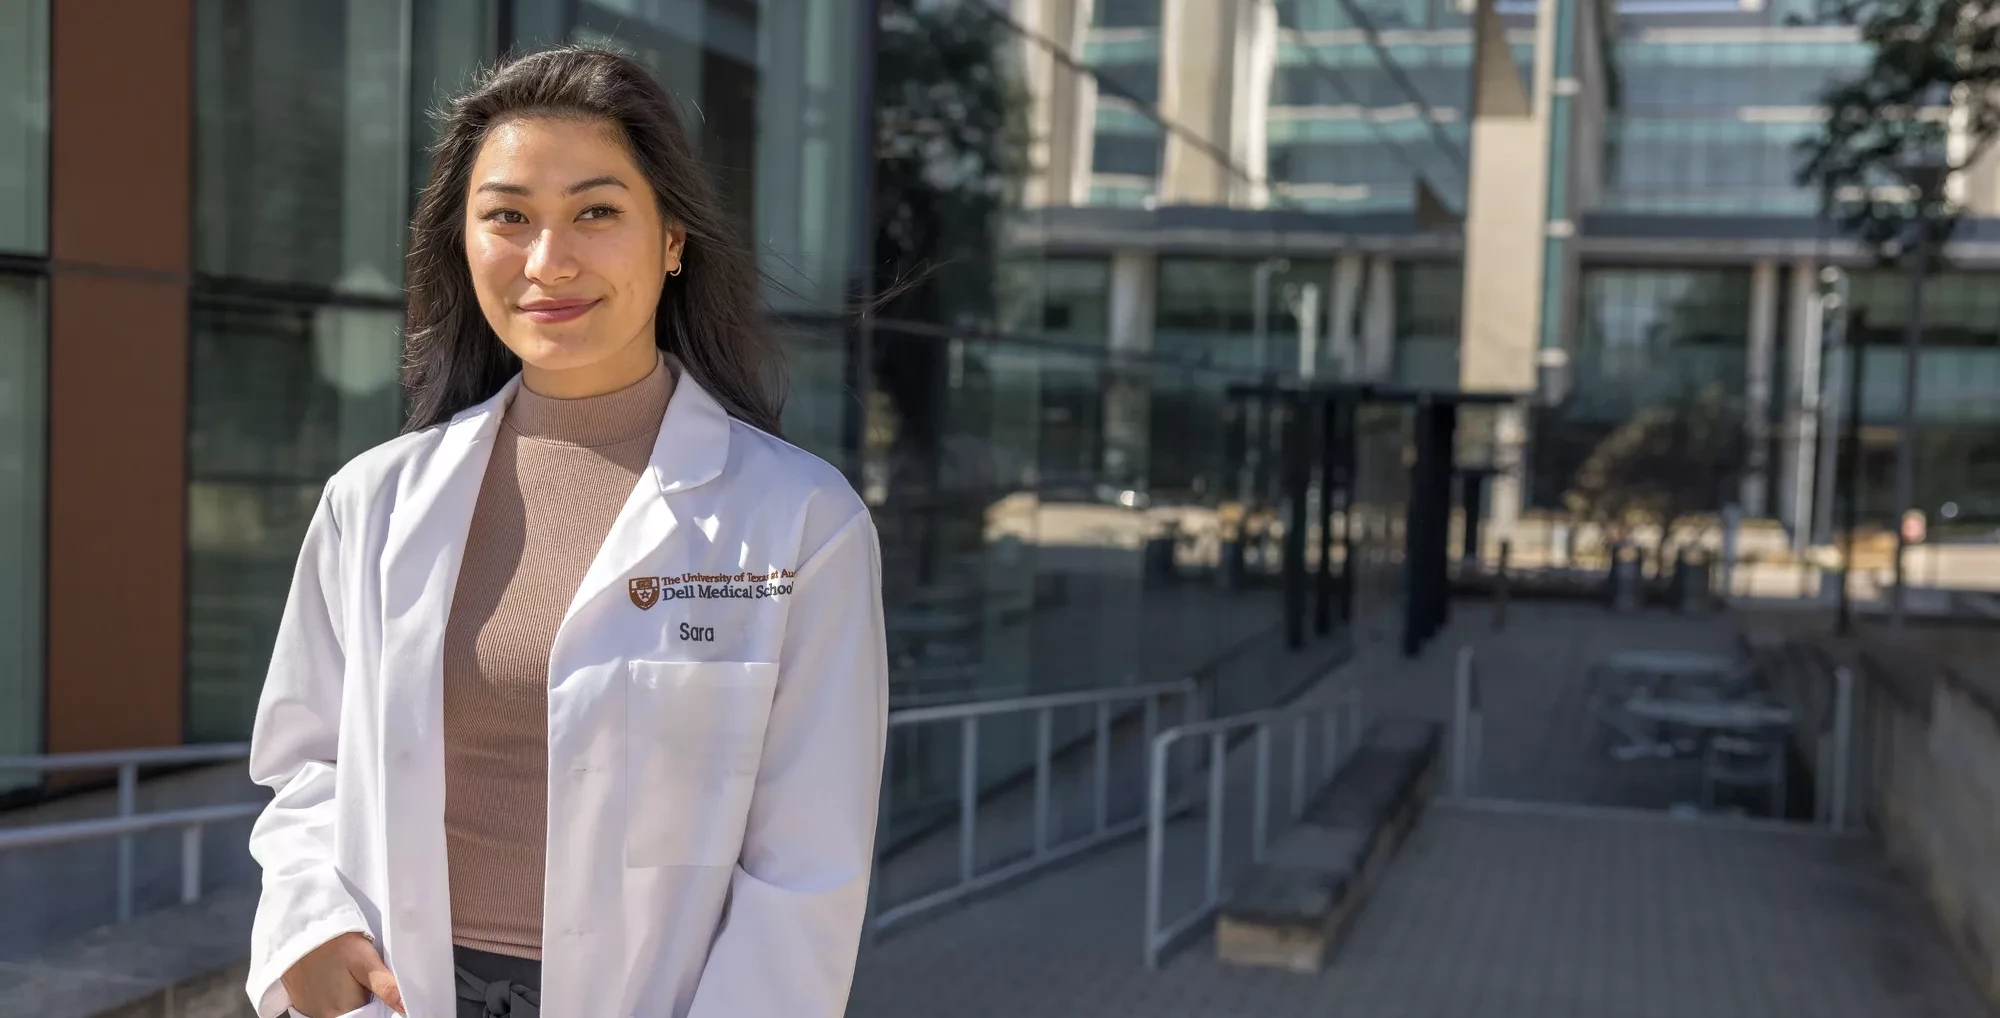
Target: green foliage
<point>1881,159</point>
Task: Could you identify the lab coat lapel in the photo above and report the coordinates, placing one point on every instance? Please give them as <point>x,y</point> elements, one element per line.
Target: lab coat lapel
<point>692,447</point>
<point>421,558</point>
<point>582,893</point>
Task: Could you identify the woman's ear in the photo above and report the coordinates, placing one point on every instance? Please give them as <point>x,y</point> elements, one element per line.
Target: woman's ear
<point>676,246</point>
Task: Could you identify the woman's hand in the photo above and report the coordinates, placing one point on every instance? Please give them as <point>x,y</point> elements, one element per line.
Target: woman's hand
<point>338,976</point>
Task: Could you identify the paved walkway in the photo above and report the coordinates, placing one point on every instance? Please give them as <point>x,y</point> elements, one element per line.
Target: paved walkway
<point>1541,909</point>
<point>1484,915</point>
<point>1540,744</point>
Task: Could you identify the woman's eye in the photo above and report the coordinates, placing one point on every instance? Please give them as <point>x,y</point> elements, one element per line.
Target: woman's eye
<point>597,212</point>
<point>508,216</point>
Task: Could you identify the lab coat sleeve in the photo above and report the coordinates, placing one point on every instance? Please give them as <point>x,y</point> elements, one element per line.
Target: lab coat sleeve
<point>799,893</point>
<point>292,749</point>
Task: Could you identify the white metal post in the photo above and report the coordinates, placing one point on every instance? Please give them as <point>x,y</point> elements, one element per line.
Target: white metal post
<point>968,798</point>
<point>190,864</point>
<point>1044,738</point>
<point>1218,773</point>
<point>1329,742</point>
<point>1156,841</point>
<point>1461,721</point>
<point>1260,802</point>
<point>128,803</point>
<point>1101,806</point>
<point>1301,732</point>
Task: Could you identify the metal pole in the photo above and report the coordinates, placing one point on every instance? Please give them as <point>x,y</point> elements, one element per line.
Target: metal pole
<point>1301,734</point>
<point>1461,718</point>
<point>1329,741</point>
<point>1835,341</point>
<point>1260,802</point>
<point>128,798</point>
<point>968,798</point>
<point>1906,439</point>
<point>1218,772</point>
<point>190,864</point>
<point>1044,736</point>
<point>1843,742</point>
<point>885,799</point>
<point>1500,586</point>
<point>1850,440</point>
<point>1102,804</point>
<point>1156,843</point>
<point>1150,727</point>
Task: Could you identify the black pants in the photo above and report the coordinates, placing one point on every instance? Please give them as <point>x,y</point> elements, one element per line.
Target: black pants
<point>496,985</point>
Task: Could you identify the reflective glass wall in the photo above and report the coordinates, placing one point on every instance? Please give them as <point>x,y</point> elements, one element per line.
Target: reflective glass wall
<point>1052,450</point>
<point>312,121</point>
<point>1958,395</point>
<point>1357,119</point>
<point>309,128</point>
<point>1653,348</point>
<point>1708,119</point>
<point>24,212</point>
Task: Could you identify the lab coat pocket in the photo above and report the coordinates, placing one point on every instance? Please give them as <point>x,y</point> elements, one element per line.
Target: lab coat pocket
<point>694,733</point>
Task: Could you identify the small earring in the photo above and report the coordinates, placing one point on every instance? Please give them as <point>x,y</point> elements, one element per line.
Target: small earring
<point>675,271</point>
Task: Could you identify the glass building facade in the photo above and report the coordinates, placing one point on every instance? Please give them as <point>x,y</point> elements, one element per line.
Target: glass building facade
<point>24,189</point>
<point>1709,119</point>
<point>1053,435</point>
<point>1958,395</point>
<point>1062,496</point>
<point>1646,339</point>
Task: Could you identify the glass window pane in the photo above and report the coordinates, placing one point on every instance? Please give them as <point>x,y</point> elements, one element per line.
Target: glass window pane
<point>770,94</point>
<point>301,142</point>
<point>24,125</point>
<point>280,397</point>
<point>23,421</point>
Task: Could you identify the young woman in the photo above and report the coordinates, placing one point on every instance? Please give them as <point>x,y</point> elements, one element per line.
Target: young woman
<point>578,701</point>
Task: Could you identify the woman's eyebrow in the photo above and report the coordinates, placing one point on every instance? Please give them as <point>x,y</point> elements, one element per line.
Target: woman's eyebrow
<point>602,180</point>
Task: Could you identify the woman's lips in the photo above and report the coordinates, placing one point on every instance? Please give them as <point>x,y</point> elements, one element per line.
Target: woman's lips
<point>557,311</point>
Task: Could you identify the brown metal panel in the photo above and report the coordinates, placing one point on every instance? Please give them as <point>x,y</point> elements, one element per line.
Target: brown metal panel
<point>120,95</point>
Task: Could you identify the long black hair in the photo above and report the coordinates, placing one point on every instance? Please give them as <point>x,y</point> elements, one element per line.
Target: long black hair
<point>710,317</point>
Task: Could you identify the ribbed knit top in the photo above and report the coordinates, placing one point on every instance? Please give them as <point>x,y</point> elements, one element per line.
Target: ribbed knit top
<point>560,472</point>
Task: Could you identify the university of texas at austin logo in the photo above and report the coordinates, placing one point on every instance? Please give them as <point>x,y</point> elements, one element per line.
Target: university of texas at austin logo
<point>645,591</point>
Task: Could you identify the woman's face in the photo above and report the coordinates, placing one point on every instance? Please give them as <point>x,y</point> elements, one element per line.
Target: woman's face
<point>568,253</point>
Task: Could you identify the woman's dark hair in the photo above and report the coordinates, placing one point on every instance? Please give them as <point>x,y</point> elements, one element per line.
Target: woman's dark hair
<point>710,316</point>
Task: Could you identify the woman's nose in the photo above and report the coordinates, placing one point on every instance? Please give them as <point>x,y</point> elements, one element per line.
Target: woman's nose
<point>550,259</point>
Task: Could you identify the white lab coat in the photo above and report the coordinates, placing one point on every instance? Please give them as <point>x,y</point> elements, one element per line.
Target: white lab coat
<point>717,708</point>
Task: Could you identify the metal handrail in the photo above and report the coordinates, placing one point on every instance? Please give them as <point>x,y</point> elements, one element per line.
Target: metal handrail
<point>191,822</point>
<point>155,756</point>
<point>1157,937</point>
<point>970,880</point>
<point>128,762</point>
<point>1468,726</point>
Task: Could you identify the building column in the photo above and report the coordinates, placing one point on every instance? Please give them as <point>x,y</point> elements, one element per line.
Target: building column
<point>1128,392</point>
<point>1345,294</point>
<point>1796,459</point>
<point>1378,320</point>
<point>118,367</point>
<point>1757,388</point>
